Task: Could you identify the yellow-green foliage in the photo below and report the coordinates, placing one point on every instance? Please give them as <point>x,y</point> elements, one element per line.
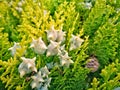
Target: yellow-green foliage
<point>98,26</point>
<point>101,27</point>
<point>4,54</point>
<point>110,77</point>
<point>74,78</point>
<point>10,75</point>
<point>105,41</point>
<point>98,16</point>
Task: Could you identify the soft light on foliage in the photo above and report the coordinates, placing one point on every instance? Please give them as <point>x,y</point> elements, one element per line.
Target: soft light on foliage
<point>62,35</point>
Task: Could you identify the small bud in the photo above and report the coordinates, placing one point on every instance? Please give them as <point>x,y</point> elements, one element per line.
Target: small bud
<point>48,81</point>
<point>93,64</point>
<point>44,71</point>
<point>55,35</point>
<point>53,48</point>
<point>60,36</point>
<point>75,42</point>
<point>14,48</point>
<point>20,4</point>
<point>27,66</point>
<point>38,46</point>
<point>19,9</point>
<point>45,12</point>
<point>51,34</point>
<point>65,59</point>
<point>88,5</point>
<point>37,80</point>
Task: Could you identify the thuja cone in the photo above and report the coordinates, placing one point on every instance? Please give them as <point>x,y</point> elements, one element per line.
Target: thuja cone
<point>92,64</point>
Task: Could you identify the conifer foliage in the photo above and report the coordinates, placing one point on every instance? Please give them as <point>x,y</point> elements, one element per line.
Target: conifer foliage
<point>59,44</point>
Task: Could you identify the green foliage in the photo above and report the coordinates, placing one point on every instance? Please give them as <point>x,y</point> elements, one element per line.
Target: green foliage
<point>98,26</point>
<point>99,14</point>
<point>110,77</point>
<point>9,22</point>
<point>118,33</point>
<point>10,75</point>
<point>103,32</point>
<point>4,45</point>
<point>74,78</point>
<point>70,80</point>
<point>105,41</point>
